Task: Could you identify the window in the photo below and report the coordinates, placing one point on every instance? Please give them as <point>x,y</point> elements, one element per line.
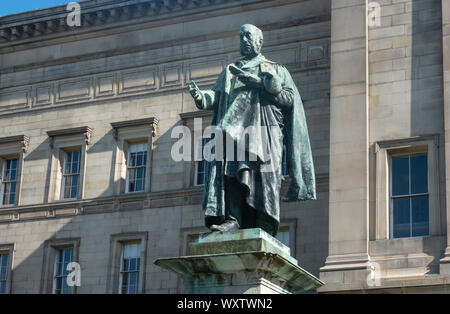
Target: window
<point>71,174</point>
<point>407,189</point>
<point>126,270</point>
<point>58,254</point>
<point>409,196</point>
<point>68,163</point>
<point>136,167</point>
<point>133,155</point>
<point>200,165</point>
<point>63,257</point>
<point>129,268</point>
<point>9,175</point>
<point>12,150</point>
<point>283,236</point>
<point>4,270</point>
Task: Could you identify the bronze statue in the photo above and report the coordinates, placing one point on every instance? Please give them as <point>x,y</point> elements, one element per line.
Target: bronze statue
<point>255,92</point>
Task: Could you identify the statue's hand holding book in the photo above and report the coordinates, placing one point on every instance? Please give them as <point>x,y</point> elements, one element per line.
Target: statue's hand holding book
<point>247,78</point>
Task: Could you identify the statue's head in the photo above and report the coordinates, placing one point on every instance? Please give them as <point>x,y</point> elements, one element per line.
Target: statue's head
<point>251,40</point>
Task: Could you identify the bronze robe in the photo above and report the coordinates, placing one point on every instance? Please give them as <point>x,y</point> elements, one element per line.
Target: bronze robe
<point>281,120</point>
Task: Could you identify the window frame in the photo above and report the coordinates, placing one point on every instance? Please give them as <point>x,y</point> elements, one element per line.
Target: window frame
<point>122,271</point>
<point>127,133</point>
<point>13,147</point>
<point>117,242</point>
<point>8,249</point>
<point>197,162</point>
<point>128,167</point>
<point>395,154</point>
<point>51,248</point>
<point>3,182</point>
<point>188,119</point>
<point>65,175</point>
<point>61,142</point>
<point>56,276</point>
<point>384,151</point>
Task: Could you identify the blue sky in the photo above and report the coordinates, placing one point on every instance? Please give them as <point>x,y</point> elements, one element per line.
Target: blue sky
<point>15,6</point>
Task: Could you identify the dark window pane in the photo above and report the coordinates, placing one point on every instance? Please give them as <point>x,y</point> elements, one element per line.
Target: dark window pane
<point>140,173</point>
<point>74,187</point>
<point>400,176</point>
<point>201,165</point>
<point>4,260</point>
<point>3,273</point>
<point>58,283</point>
<point>402,219</point>
<point>75,167</point>
<point>65,286</point>
<point>420,216</point>
<point>2,287</point>
<point>419,174</point>
<point>140,159</point>
<point>76,156</point>
<point>132,264</point>
<point>12,196</point>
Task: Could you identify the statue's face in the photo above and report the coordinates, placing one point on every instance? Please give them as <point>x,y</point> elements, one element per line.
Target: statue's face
<point>251,41</point>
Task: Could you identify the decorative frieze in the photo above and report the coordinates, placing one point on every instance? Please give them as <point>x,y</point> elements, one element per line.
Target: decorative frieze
<point>297,57</point>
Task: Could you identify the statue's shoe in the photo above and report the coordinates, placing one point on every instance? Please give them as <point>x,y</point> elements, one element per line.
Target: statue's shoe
<point>226,226</point>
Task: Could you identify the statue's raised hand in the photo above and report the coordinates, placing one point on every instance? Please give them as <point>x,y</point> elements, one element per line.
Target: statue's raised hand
<point>195,92</point>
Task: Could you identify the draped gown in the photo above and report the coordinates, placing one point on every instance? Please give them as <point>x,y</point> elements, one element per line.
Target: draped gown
<point>261,124</point>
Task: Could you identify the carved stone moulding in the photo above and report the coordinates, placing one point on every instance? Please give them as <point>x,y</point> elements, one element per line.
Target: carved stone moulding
<point>84,130</point>
<point>23,140</point>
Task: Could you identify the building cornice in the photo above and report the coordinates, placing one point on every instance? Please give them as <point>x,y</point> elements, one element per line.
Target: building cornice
<point>97,15</point>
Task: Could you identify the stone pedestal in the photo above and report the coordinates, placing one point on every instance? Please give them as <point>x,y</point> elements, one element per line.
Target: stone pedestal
<point>246,261</point>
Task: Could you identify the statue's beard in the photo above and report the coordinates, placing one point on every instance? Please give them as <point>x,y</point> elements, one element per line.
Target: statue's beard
<point>249,50</point>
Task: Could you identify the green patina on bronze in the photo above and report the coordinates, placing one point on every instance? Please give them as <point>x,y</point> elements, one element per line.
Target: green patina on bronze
<point>238,241</point>
<point>256,92</point>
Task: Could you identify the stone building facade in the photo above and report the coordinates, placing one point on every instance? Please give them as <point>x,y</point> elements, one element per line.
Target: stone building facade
<point>87,114</point>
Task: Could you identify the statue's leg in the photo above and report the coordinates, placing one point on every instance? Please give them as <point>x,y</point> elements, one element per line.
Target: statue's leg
<point>234,202</point>
<point>257,219</point>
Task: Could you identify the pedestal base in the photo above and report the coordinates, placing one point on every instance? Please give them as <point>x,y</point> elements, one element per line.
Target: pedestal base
<point>243,261</point>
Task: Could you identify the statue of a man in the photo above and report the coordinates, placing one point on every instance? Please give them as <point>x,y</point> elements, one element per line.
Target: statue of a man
<point>255,92</point>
